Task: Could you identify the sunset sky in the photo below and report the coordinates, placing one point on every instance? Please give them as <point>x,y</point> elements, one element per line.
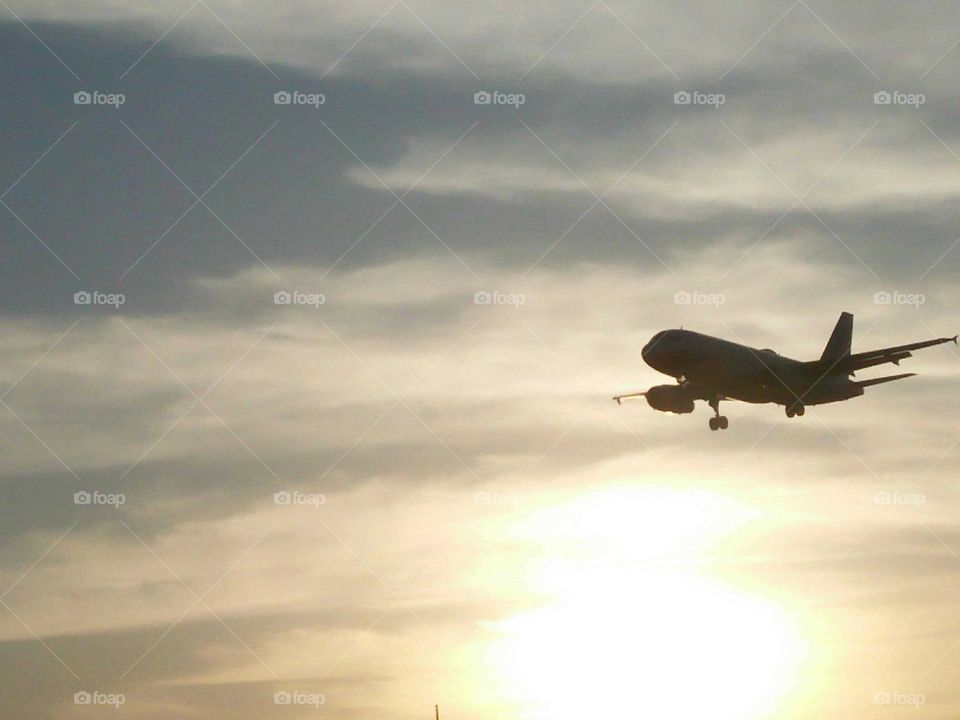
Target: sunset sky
<point>389,493</point>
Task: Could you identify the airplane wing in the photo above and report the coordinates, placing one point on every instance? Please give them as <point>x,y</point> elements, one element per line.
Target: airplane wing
<point>698,393</point>
<point>628,396</point>
<point>859,361</point>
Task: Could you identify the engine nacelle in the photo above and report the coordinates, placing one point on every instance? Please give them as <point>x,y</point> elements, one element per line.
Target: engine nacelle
<point>670,398</point>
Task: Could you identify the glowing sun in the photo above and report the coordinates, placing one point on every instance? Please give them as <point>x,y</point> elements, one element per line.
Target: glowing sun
<point>632,625</point>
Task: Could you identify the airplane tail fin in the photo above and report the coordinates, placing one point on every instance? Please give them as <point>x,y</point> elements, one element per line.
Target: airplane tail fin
<point>838,346</point>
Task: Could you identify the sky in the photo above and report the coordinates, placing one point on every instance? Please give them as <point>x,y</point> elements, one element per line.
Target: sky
<point>305,406</point>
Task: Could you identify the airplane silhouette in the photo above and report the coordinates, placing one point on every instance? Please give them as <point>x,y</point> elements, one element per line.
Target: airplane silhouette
<point>711,369</point>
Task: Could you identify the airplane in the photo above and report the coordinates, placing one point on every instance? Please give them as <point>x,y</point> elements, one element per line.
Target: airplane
<point>712,369</point>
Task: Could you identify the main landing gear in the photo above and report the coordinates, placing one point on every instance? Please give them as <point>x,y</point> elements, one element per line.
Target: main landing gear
<point>795,408</point>
<point>718,421</point>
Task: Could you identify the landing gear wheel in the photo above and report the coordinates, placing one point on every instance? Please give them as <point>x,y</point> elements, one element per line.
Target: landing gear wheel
<point>800,411</point>
<point>795,409</point>
<point>718,421</point>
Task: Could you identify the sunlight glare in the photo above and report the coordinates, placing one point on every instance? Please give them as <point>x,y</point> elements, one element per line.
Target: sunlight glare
<point>632,625</point>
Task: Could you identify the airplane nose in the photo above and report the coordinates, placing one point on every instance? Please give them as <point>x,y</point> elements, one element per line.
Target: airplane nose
<point>653,352</point>
<point>647,351</point>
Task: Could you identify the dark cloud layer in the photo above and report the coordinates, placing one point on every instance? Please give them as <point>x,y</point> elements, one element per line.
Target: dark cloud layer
<point>292,200</point>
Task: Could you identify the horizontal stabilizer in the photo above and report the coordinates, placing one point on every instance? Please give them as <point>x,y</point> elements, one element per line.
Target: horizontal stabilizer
<point>888,378</point>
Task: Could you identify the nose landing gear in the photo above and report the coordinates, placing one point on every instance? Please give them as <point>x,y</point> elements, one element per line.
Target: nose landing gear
<point>795,408</point>
<point>718,421</point>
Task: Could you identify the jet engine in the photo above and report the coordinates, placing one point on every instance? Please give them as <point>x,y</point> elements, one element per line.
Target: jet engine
<point>670,398</point>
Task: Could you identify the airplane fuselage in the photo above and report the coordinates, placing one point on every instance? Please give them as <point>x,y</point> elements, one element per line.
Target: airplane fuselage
<point>712,369</point>
<point>745,373</point>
